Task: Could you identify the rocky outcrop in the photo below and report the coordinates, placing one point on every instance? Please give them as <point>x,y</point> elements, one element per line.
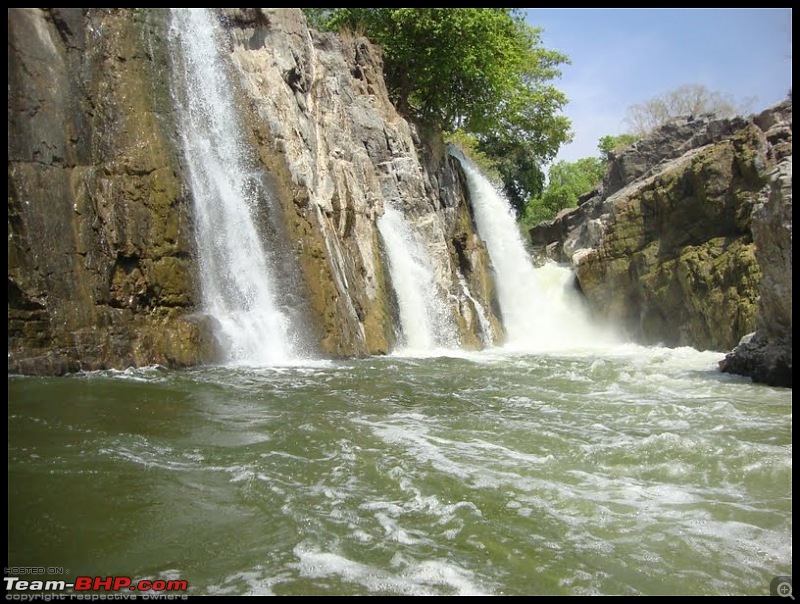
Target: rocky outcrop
<point>686,241</point>
<point>766,355</point>
<point>100,269</point>
<point>102,265</point>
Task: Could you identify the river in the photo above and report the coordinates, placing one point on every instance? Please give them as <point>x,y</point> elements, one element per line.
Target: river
<point>622,470</point>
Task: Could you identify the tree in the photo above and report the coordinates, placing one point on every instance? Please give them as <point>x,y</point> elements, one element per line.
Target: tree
<point>482,70</point>
<point>521,149</point>
<point>612,144</point>
<point>518,165</point>
<point>566,182</point>
<point>689,99</point>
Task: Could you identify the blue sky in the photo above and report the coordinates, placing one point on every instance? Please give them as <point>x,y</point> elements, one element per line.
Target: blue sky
<point>620,57</point>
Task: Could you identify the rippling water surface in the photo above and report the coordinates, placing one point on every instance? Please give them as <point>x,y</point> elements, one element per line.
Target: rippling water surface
<point>626,471</point>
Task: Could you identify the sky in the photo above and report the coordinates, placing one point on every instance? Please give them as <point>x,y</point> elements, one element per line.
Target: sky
<point>620,57</point>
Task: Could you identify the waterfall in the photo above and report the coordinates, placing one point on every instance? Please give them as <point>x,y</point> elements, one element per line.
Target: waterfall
<point>236,271</point>
<point>539,307</point>
<point>486,331</point>
<point>426,321</point>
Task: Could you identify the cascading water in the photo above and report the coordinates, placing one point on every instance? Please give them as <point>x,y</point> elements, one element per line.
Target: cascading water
<point>540,309</point>
<point>425,319</point>
<point>238,286</point>
<point>486,331</point>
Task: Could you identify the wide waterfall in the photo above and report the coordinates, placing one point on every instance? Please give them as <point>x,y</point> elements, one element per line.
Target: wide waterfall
<point>236,269</point>
<point>540,309</point>
<point>426,320</point>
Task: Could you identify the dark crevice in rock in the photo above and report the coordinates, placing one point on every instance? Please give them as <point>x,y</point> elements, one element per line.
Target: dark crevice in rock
<point>19,301</point>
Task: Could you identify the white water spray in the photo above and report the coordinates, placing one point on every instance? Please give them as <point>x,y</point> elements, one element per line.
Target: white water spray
<point>237,284</point>
<point>540,309</point>
<point>426,320</point>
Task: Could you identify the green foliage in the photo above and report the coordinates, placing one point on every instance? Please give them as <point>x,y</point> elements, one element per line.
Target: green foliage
<point>318,18</point>
<point>611,144</point>
<point>481,70</point>
<point>567,181</point>
<point>519,162</point>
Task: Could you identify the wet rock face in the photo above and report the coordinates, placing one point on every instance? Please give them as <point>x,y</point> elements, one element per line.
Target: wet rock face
<point>99,254</point>
<point>102,266</point>
<point>322,121</point>
<point>686,242</point>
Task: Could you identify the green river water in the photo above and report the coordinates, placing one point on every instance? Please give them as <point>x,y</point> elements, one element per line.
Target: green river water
<point>626,470</point>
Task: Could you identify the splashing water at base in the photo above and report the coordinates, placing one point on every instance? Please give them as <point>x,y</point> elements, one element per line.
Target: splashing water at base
<point>541,311</point>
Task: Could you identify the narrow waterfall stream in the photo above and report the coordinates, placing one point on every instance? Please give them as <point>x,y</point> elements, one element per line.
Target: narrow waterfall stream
<point>426,321</point>
<point>237,278</point>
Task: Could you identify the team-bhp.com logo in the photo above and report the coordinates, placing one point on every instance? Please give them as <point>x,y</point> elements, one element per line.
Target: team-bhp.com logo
<point>97,584</point>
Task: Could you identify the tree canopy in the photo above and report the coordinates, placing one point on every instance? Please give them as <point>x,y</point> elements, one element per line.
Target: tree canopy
<point>610,144</point>
<point>566,182</point>
<point>482,70</point>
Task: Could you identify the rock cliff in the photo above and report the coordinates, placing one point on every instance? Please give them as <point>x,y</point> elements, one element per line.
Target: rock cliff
<point>99,230</point>
<point>102,267</point>
<point>688,240</point>
<point>766,355</point>
<point>326,130</point>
